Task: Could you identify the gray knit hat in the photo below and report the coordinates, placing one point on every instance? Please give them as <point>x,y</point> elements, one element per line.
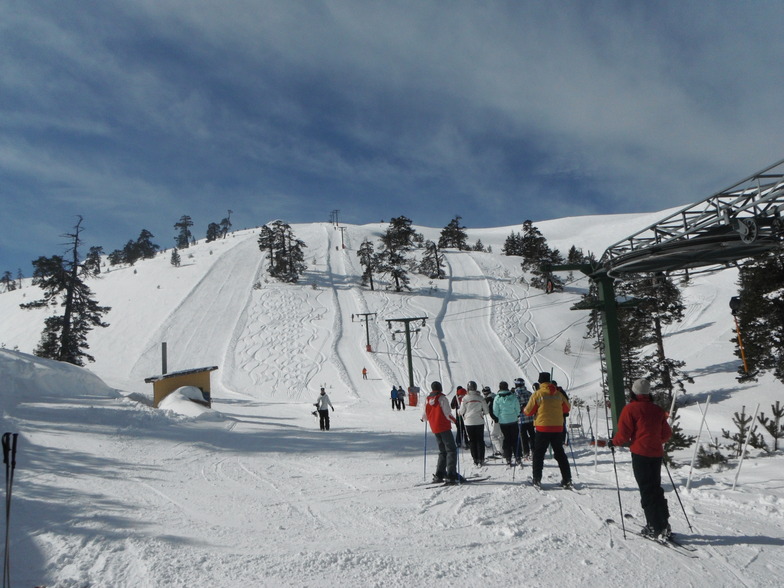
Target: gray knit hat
<point>641,386</point>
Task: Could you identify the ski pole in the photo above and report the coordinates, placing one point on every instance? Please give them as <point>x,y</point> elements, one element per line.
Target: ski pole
<point>457,462</point>
<point>9,448</point>
<point>618,487</point>
<point>678,496</point>
<point>424,459</point>
<point>571,449</point>
<point>590,426</point>
<point>517,448</point>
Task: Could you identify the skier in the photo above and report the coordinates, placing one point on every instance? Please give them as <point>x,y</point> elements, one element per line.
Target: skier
<point>548,406</point>
<point>507,409</point>
<point>321,404</point>
<point>439,417</point>
<point>473,411</point>
<point>393,397</point>
<point>460,393</point>
<point>565,439</point>
<point>364,373</point>
<point>526,422</point>
<point>644,426</point>
<point>496,436</point>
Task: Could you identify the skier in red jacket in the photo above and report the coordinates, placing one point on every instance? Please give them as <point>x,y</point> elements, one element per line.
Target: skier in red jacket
<point>643,425</point>
<point>439,417</point>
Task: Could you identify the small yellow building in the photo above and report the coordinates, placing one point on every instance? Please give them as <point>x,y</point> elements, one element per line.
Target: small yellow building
<point>165,384</point>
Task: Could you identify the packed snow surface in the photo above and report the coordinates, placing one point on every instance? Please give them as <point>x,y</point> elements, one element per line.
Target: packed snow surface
<point>109,491</point>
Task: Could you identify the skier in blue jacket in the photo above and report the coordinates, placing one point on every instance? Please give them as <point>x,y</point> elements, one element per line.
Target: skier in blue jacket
<point>506,408</point>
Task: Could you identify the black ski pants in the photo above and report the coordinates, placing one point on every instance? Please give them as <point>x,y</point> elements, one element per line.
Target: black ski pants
<point>647,472</point>
<point>528,433</point>
<point>541,444</point>
<point>511,440</point>
<point>324,420</point>
<point>476,441</point>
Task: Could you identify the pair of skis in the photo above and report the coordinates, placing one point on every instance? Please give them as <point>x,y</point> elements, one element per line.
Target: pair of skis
<point>469,480</point>
<point>540,488</point>
<point>671,543</point>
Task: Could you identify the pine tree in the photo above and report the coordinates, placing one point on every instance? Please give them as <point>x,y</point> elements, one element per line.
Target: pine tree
<point>658,303</point>
<point>146,248</point>
<point>8,282</point>
<point>533,247</point>
<point>225,225</point>
<point>746,429</point>
<point>369,260</point>
<point>92,261</point>
<point>62,280</point>
<point>396,265</point>
<point>513,245</point>
<point>706,459</point>
<point>432,262</point>
<point>453,236</point>
<point>774,425</point>
<point>399,239</point>
<point>131,253</point>
<point>478,246</point>
<point>761,316</point>
<point>283,251</point>
<point>678,440</point>
<point>542,279</point>
<point>184,235</point>
<point>213,232</point>
<point>175,258</point>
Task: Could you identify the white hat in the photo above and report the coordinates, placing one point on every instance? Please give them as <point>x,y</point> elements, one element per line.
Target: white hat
<point>641,386</point>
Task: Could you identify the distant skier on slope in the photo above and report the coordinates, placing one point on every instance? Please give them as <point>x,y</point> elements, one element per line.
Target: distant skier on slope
<point>644,425</point>
<point>322,403</point>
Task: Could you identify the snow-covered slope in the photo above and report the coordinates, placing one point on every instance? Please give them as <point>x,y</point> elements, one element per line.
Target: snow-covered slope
<point>110,492</point>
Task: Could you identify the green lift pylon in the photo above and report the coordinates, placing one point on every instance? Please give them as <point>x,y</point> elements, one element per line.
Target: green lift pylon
<point>608,306</point>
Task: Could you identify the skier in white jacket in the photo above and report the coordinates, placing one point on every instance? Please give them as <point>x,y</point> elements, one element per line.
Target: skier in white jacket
<point>473,410</point>
<point>321,404</point>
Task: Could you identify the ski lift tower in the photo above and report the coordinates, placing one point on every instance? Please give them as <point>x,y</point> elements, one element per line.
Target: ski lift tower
<point>744,220</point>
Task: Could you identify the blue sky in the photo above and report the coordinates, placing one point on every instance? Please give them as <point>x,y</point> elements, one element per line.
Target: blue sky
<point>132,114</point>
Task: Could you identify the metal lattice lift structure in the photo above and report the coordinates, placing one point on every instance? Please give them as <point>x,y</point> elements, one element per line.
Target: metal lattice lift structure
<point>744,220</point>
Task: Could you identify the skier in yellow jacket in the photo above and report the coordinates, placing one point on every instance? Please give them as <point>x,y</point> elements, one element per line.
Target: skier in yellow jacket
<point>549,406</point>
